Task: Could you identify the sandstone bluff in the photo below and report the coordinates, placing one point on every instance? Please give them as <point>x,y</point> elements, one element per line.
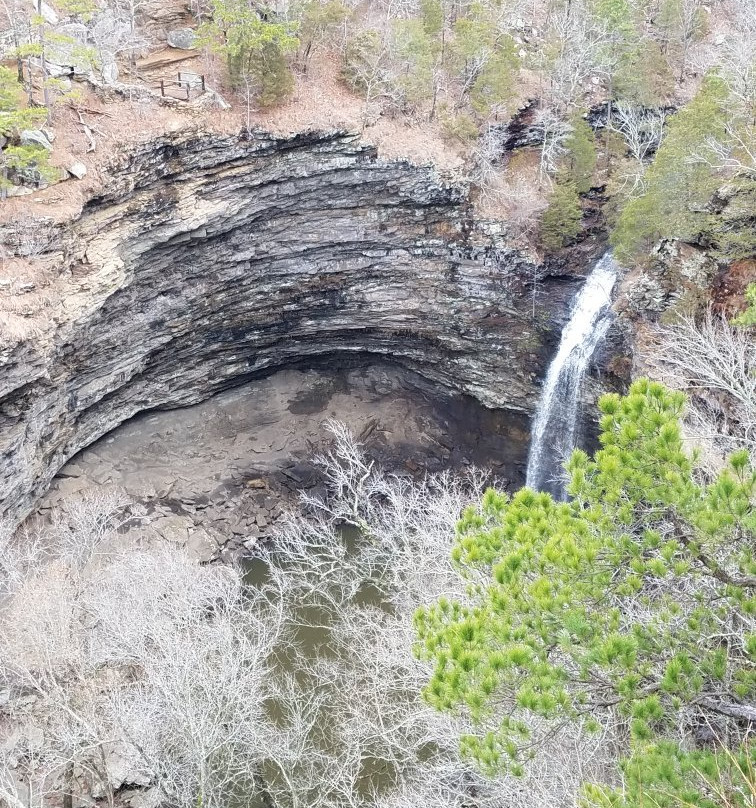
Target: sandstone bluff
<point>209,260</point>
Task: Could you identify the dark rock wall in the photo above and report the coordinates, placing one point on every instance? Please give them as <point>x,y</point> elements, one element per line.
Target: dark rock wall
<point>208,260</point>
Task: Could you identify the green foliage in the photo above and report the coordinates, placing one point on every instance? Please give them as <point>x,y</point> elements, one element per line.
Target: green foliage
<point>748,317</point>
<point>13,117</point>
<point>82,9</point>
<point>319,21</point>
<point>486,60</point>
<point>678,189</point>
<point>16,159</point>
<point>581,155</point>
<point>415,53</point>
<point>612,604</point>
<point>269,67</point>
<point>619,51</point>
<point>363,68</point>
<point>458,127</point>
<point>730,234</point>
<point>255,49</point>
<point>29,164</point>
<point>560,222</point>
<point>664,775</point>
<point>618,16</point>
<point>680,23</point>
<point>643,77</point>
<point>432,16</point>
<point>494,84</point>
<point>398,65</point>
<point>316,18</point>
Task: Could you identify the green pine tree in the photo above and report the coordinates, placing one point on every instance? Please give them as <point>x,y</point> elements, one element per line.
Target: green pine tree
<point>255,49</point>
<point>680,24</point>
<point>415,52</point>
<point>432,16</point>
<point>748,317</point>
<point>319,22</point>
<point>580,162</point>
<point>485,60</point>
<point>560,222</point>
<point>611,607</point>
<point>677,189</point>
<point>643,77</point>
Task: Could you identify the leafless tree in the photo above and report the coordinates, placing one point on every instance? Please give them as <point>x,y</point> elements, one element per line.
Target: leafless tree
<point>716,363</point>
<point>196,712</point>
<point>16,32</point>
<point>735,57</point>
<point>351,703</point>
<point>43,650</point>
<point>127,13</point>
<point>368,67</point>
<point>146,668</point>
<point>575,53</point>
<point>138,667</point>
<point>685,23</point>
<point>642,130</point>
<point>734,152</point>
<point>113,33</point>
<point>555,132</point>
<point>487,155</point>
<point>29,236</point>
<point>20,552</point>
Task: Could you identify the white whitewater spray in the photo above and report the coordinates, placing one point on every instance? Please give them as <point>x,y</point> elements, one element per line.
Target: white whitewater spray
<point>553,432</point>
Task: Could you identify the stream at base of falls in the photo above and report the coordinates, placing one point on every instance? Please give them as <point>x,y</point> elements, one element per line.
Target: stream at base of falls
<point>555,424</point>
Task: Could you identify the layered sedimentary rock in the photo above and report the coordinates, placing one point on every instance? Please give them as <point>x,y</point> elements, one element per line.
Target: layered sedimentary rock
<point>208,260</point>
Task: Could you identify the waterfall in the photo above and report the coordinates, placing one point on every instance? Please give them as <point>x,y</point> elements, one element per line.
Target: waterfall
<point>553,432</point>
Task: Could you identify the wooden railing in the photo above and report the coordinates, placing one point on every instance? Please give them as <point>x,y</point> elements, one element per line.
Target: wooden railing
<point>186,83</point>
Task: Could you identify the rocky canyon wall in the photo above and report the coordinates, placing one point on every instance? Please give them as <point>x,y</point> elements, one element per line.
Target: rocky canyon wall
<point>208,260</point>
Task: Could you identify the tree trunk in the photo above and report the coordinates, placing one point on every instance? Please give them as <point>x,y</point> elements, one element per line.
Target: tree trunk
<point>45,89</point>
<point>742,712</point>
<point>68,789</point>
<point>306,57</point>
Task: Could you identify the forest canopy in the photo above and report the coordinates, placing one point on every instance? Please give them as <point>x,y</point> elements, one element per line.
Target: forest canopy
<point>648,105</point>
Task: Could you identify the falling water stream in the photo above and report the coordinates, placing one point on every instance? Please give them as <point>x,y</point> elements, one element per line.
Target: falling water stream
<point>554,427</point>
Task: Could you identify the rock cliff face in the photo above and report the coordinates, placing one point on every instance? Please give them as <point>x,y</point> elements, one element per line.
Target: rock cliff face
<point>208,260</point>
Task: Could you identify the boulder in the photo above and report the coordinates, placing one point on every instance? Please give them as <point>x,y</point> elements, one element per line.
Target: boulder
<point>78,170</point>
<point>201,546</point>
<point>67,54</point>
<point>49,15</point>
<point>212,99</point>
<point>18,190</point>
<point>74,31</point>
<point>124,764</point>
<point>174,528</point>
<point>181,38</point>
<point>109,73</point>
<point>60,71</point>
<point>36,137</point>
<point>142,798</point>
